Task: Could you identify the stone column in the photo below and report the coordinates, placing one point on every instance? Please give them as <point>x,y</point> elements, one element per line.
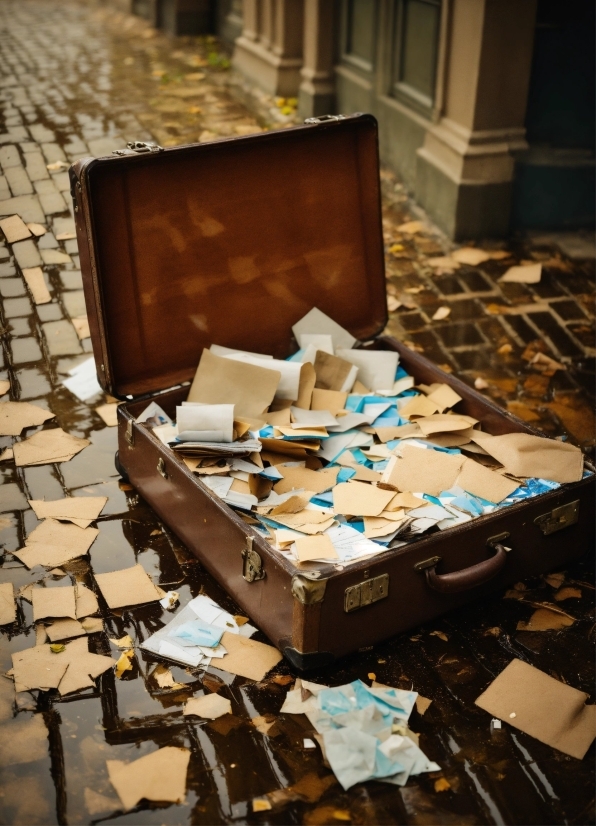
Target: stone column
<point>317,90</point>
<point>465,167</point>
<point>273,58</point>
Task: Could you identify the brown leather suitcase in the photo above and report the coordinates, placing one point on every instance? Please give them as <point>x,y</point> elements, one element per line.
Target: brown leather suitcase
<point>232,242</point>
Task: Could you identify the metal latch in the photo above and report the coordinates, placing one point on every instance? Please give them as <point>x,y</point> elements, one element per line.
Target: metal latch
<point>138,148</point>
<point>161,468</point>
<point>129,433</point>
<point>308,591</point>
<point>558,518</point>
<point>366,592</point>
<point>325,118</point>
<point>252,568</point>
<point>427,563</point>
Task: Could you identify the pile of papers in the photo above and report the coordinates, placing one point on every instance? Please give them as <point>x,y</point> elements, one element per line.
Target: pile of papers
<point>337,453</point>
<point>362,730</point>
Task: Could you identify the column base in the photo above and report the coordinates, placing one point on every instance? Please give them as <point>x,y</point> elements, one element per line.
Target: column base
<point>274,74</point>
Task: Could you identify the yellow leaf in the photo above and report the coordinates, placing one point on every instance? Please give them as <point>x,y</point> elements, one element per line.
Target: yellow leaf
<point>124,663</point>
<point>396,248</point>
<point>57,648</point>
<point>442,784</point>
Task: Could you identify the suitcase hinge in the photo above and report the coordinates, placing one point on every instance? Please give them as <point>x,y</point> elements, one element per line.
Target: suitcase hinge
<point>308,591</point>
<point>138,148</point>
<point>558,518</point>
<point>366,592</point>
<point>252,566</point>
<point>324,119</point>
<point>129,434</point>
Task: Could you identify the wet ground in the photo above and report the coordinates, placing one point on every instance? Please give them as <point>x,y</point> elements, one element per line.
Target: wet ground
<point>79,80</point>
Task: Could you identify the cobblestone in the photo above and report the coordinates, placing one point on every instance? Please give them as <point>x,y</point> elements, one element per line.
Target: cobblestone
<point>18,180</point>
<point>26,254</point>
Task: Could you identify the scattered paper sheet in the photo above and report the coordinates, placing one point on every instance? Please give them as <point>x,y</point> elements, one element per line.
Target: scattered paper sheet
<point>360,499</point>
<point>552,712</point>
<point>316,322</point>
<point>54,602</point>
<point>16,416</point>
<point>8,608</point>
<point>47,447</point>
<point>64,629</point>
<point>485,483</point>
<point>319,341</point>
<point>247,658</point>
<point>289,382</point>
<point>424,471</point>
<point>543,619</point>
<point>334,373</point>
<point>207,422</point>
<point>331,400</point>
<point>441,423</point>
<point>418,406</point>
<point>522,454</point>
<point>160,776</point>
<point>376,368</point>
<point>130,586</point>
<point>209,706</point>
<point>444,396</point>
<point>86,601</point>
<point>14,229</point>
<point>301,478</point>
<point>83,380</point>
<point>525,274</point>
<point>81,510</point>
<point>37,285</point>
<point>69,670</point>
<point>53,543</point>
<point>108,413</point>
<point>315,547</point>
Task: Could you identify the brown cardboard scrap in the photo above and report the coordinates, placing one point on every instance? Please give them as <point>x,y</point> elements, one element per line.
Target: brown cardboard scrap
<point>160,776</point>
<point>443,396</point>
<point>543,619</point>
<point>54,602</point>
<point>378,526</point>
<point>307,521</point>
<point>52,543</point>
<point>48,446</point>
<point>37,285</point>
<point>441,423</point>
<point>537,704</point>
<point>86,601</point>
<point>568,593</point>
<point>423,470</point>
<point>38,667</point>
<point>360,499</point>
<point>108,413</point>
<point>81,510</point>
<point>485,483</point>
<point>130,586</point>
<point>279,418</point>
<point>23,741</point>
<point>296,478</point>
<point>331,400</point>
<point>525,274</point>
<point>246,657</point>
<point>16,416</point>
<point>422,704</point>
<point>315,547</point>
<point>418,406</point>
<point>534,456</point>
<point>294,504</point>
<point>8,608</point>
<point>14,229</point>
<point>331,371</point>
<point>387,434</point>
<point>456,438</point>
<point>38,230</point>
<point>221,380</point>
<point>84,667</point>
<point>308,379</point>
<point>64,629</point>
<point>365,474</point>
<point>92,625</point>
<point>210,706</point>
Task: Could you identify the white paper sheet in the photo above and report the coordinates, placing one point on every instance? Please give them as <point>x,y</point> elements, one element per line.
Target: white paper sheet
<point>209,422</point>
<point>376,368</point>
<point>315,321</point>
<point>83,382</point>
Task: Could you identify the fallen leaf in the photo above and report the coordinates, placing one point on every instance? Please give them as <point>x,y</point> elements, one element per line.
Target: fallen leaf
<point>544,619</point>
<point>57,648</point>
<point>441,313</point>
<point>164,679</point>
<point>372,676</point>
<point>124,663</point>
<point>568,593</point>
<point>123,642</point>
<point>442,785</point>
<point>505,349</point>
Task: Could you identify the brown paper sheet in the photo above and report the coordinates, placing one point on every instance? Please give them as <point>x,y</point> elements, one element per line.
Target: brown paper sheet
<point>48,446</point>
<point>375,527</point>
<point>246,657</point>
<point>331,371</point>
<point>552,712</point>
<point>423,471</point>
<point>522,454</point>
<point>418,406</point>
<point>14,229</point>
<point>220,380</point>
<point>331,400</point>
<point>294,504</point>
<point>296,478</point>
<point>160,776</point>
<point>279,418</point>
<point>53,543</point>
<point>485,483</point>
<point>360,499</point>
<point>406,500</point>
<point>308,379</point>
<point>37,285</point>
<point>130,586</point>
<point>81,510</point>
<point>38,667</point>
<point>315,547</point>
<point>108,414</point>
<point>16,416</point>
<point>54,602</point>
<point>64,629</point>
<point>365,474</point>
<point>441,423</point>
<point>86,601</point>
<point>209,706</point>
<point>443,396</point>
<point>387,434</point>
<point>8,608</point>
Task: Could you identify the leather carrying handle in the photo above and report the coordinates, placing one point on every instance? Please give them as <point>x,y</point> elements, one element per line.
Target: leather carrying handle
<point>468,577</point>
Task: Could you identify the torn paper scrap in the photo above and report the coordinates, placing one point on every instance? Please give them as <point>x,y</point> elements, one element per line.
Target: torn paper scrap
<point>37,285</point>
<point>160,776</point>
<point>522,454</point>
<point>83,380</point>
<point>360,499</point>
<point>524,274</point>
<point>16,416</point>
<point>209,706</point>
<point>108,413</point>
<point>38,667</point>
<point>81,510</point>
<point>130,586</point>
<point>423,470</point>
<point>537,704</point>
<point>485,483</point>
<point>376,368</point>
<point>54,602</point>
<point>48,446</point>
<point>316,322</point>
<point>315,547</point>
<point>8,608</point>
<point>14,229</point>
<point>247,658</point>
<point>53,543</point>
<point>64,629</point>
<point>86,601</point>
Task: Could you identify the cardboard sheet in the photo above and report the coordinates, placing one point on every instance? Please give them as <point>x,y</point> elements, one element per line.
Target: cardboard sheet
<point>16,416</point>
<point>443,396</point>
<point>38,667</point>
<point>316,322</point>
<point>331,400</point>
<point>84,667</point>
<point>406,500</point>
<point>418,406</point>
<point>81,510</point>
<point>8,608</point>
<point>130,586</point>
<point>53,543</point>
<point>552,712</point>
<point>376,368</point>
<point>86,601</point>
<point>108,413</point>
<point>247,658</point>
<point>48,446</point>
<point>522,454</point>
<point>297,478</point>
<point>220,380</point>
<point>485,483</point>
<point>376,527</point>
<point>14,229</point>
<point>37,285</point>
<point>64,629</point>
<point>160,776</point>
<point>423,470</point>
<point>360,499</point>
<point>441,423</point>
<point>209,706</point>
<point>54,602</point>
<point>315,547</point>
<point>334,373</point>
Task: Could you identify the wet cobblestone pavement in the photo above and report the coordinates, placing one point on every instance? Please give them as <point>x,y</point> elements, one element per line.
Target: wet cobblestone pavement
<point>78,80</point>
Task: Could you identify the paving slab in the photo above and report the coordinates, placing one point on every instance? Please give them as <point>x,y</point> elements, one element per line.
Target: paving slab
<point>61,338</point>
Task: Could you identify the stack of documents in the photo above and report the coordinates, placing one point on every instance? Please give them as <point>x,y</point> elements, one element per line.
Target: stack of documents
<point>337,453</point>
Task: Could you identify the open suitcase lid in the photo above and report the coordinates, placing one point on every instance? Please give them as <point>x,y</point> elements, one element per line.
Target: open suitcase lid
<point>229,242</point>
